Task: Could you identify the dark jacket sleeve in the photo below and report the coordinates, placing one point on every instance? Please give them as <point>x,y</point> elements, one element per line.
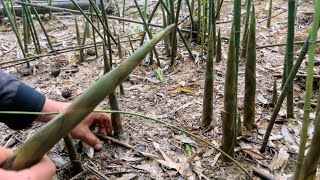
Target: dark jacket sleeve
<point>16,96</point>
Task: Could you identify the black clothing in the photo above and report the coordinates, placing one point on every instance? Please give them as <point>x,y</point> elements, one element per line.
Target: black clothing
<point>17,96</point>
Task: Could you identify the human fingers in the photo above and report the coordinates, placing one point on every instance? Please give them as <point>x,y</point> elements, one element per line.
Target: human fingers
<point>92,140</point>
<point>105,124</point>
<point>4,154</point>
<point>45,169</point>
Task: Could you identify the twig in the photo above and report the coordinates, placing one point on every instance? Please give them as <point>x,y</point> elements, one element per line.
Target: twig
<point>281,44</point>
<point>78,175</point>
<point>316,77</point>
<point>261,174</point>
<point>95,172</point>
<point>105,137</point>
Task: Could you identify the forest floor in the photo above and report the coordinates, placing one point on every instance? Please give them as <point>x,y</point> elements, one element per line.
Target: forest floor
<point>177,99</point>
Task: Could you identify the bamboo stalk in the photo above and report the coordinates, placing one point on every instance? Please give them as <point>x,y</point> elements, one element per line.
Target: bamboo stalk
<point>93,31</point>
<point>250,76</point>
<point>219,49</point>
<point>274,92</point>
<point>33,30</point>
<point>106,30</point>
<point>289,55</point>
<point>42,26</point>
<point>49,134</point>
<point>207,110</point>
<point>148,31</point>
<point>269,14</point>
<point>245,31</point>
<point>14,27</point>
<point>299,174</point>
<point>229,112</point>
<point>72,153</point>
<point>174,34</point>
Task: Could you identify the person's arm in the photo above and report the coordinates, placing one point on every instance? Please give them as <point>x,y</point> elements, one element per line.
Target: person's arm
<point>43,170</point>
<point>16,96</point>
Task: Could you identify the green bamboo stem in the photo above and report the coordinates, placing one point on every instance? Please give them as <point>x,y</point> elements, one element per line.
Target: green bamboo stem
<point>245,31</point>
<point>115,117</point>
<point>318,103</point>
<point>229,112</point>
<point>12,10</point>
<point>219,6</point>
<point>298,174</point>
<point>131,45</point>
<point>88,19</point>
<point>207,110</point>
<point>269,14</point>
<point>33,30</point>
<point>312,159</point>
<point>50,11</point>
<point>25,32</point>
<point>83,42</point>
<point>289,55</point>
<point>41,25</point>
<point>164,21</point>
<point>174,37</point>
<point>78,39</point>
<point>49,134</point>
<point>198,138</point>
<point>14,26</point>
<point>145,25</point>
<point>123,11</point>
<point>150,19</point>
<point>219,49</point>
<point>203,26</point>
<point>274,92</point>
<point>119,49</point>
<point>250,76</point>
<point>93,31</point>
<point>199,21</point>
<point>179,31</point>
<point>105,19</point>
<point>72,153</point>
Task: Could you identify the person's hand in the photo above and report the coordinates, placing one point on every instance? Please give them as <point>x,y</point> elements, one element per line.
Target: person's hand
<point>83,131</point>
<point>45,169</point>
<point>95,120</point>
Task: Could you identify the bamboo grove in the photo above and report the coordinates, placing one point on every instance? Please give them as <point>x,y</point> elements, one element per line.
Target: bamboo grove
<point>203,30</point>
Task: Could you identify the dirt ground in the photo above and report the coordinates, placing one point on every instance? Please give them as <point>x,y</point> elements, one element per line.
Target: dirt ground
<point>177,99</point>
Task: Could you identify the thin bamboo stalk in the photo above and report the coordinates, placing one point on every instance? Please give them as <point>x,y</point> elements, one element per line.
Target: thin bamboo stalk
<point>14,26</point>
<point>33,29</point>
<point>72,153</point>
<point>219,49</point>
<point>41,25</point>
<point>269,14</point>
<point>299,174</point>
<point>174,33</point>
<point>148,31</point>
<point>289,55</point>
